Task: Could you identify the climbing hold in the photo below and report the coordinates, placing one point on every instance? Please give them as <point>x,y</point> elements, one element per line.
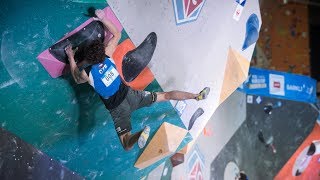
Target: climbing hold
<point>194,117</point>
<point>177,159</point>
<point>136,60</point>
<point>80,39</point>
<point>252,33</point>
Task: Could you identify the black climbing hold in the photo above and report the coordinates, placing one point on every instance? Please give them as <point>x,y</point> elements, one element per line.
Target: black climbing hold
<point>194,117</point>
<point>298,173</point>
<point>311,150</point>
<point>136,60</point>
<point>80,39</point>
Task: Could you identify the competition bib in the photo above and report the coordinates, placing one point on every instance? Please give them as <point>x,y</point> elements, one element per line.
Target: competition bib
<point>109,76</point>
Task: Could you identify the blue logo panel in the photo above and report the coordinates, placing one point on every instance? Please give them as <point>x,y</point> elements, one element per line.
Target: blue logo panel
<point>280,85</point>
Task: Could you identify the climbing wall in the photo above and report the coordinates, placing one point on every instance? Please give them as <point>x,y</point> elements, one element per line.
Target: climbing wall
<point>284,37</point>
<point>20,160</point>
<point>194,38</point>
<point>66,121</point>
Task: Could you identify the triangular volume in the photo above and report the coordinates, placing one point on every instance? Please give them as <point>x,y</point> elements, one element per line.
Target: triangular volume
<point>235,74</point>
<point>175,135</point>
<point>165,142</point>
<point>243,62</point>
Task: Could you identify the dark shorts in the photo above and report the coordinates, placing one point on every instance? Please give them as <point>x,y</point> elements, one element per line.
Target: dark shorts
<point>134,100</point>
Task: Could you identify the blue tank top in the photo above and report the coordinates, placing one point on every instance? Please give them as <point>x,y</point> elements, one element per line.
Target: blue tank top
<point>105,78</point>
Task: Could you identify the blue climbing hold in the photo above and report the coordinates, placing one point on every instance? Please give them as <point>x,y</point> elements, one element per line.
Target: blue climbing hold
<point>252,33</point>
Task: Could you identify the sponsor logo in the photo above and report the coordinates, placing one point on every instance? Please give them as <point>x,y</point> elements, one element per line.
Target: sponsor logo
<point>257,86</point>
<point>257,82</point>
<point>294,88</point>
<point>102,67</point>
<point>195,165</point>
<point>310,90</point>
<point>196,172</point>
<point>276,84</point>
<point>258,79</point>
<point>187,10</point>
<point>237,13</point>
<point>303,88</point>
<point>258,100</point>
<point>119,130</point>
<point>250,99</point>
<point>180,106</point>
<point>241,2</point>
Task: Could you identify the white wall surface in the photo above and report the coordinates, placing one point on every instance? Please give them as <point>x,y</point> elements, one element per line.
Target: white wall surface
<point>192,55</point>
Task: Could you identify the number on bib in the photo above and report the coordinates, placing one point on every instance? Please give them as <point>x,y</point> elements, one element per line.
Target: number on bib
<point>109,76</point>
